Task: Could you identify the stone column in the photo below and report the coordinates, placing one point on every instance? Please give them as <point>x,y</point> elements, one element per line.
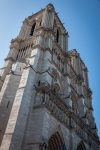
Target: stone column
<point>7,95</point>
<point>20,109</point>
<point>45,68</point>
<point>67,81</point>
<point>48,17</point>
<point>24,30</point>
<point>65,42</point>
<point>9,60</point>
<point>77,63</point>
<point>39,40</point>
<point>86,76</point>
<point>81,97</point>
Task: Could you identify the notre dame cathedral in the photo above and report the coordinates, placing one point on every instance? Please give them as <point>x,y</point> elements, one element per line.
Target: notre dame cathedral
<point>45,98</point>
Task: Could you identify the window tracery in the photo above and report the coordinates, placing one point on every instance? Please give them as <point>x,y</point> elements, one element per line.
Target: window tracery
<point>24,53</point>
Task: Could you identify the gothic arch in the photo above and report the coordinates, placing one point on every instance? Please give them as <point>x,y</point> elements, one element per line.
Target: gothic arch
<point>55,142</point>
<point>81,146</point>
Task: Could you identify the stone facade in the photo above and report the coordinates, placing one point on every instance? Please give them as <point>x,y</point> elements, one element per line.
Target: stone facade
<point>45,98</point>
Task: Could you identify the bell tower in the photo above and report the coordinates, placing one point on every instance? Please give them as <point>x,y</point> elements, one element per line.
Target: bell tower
<point>45,99</point>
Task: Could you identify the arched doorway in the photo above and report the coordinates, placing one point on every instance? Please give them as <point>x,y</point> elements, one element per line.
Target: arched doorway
<point>81,146</point>
<point>55,142</point>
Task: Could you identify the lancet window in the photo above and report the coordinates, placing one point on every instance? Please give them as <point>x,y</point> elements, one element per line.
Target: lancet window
<point>32,29</point>
<point>24,53</point>
<point>57,36</point>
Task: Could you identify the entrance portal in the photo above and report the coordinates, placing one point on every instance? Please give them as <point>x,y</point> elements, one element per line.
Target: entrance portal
<point>55,142</point>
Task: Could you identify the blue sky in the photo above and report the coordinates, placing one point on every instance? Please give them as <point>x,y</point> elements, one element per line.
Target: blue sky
<point>81,19</point>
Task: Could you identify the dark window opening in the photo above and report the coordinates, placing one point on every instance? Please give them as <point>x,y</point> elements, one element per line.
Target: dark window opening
<point>63,70</point>
<point>58,58</point>
<point>33,28</point>
<point>54,90</point>
<point>57,38</point>
<point>8,104</point>
<point>39,83</point>
<point>17,55</point>
<point>40,23</point>
<point>43,96</point>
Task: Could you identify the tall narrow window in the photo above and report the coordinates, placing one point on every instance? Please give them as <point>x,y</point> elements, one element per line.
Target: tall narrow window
<point>40,23</point>
<point>39,83</point>
<point>8,104</point>
<point>32,30</point>
<point>57,37</point>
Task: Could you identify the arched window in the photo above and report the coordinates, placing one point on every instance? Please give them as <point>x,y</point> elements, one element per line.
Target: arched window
<point>55,142</point>
<point>57,36</point>
<point>32,29</point>
<point>81,146</point>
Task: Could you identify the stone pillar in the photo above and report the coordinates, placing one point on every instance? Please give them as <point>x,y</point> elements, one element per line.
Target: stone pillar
<point>15,43</point>
<point>39,40</point>
<point>81,97</point>
<point>48,17</point>
<point>67,36</point>
<point>9,60</point>
<point>67,88</point>
<point>86,76</point>
<point>20,109</point>
<point>5,70</point>
<point>24,30</point>
<point>81,107</point>
<point>65,42</point>
<point>7,95</point>
<point>77,63</point>
<point>45,68</point>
